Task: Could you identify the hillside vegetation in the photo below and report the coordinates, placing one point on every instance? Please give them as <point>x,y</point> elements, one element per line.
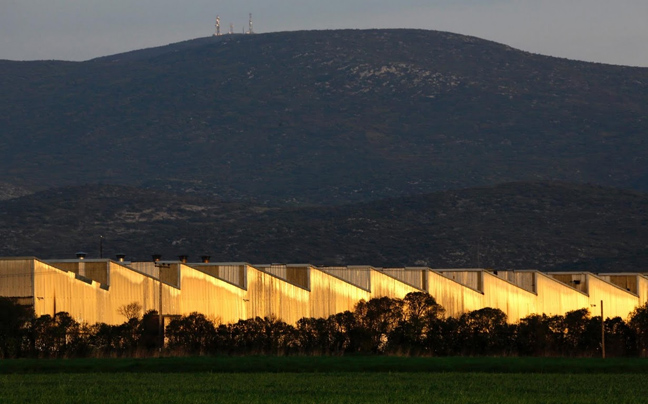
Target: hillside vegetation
<point>519,225</point>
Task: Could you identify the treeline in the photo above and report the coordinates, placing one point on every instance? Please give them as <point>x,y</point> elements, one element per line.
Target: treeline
<point>415,325</point>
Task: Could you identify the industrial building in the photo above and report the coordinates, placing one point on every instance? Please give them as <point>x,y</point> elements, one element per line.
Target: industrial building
<point>93,290</point>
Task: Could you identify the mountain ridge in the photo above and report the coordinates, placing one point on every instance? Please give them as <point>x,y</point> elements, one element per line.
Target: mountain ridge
<point>323,117</point>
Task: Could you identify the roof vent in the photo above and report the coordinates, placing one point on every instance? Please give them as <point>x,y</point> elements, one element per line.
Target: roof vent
<point>120,257</point>
<point>156,257</point>
<point>81,255</point>
<point>205,259</point>
<point>183,258</point>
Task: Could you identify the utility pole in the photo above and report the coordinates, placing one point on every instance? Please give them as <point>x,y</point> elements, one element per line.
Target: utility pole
<point>161,325</point>
<point>602,332</point>
<point>159,265</point>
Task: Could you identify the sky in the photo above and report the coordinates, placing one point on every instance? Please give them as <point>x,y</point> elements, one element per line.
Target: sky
<point>605,31</point>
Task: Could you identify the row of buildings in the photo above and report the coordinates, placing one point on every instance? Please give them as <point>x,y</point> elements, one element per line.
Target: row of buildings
<point>93,290</point>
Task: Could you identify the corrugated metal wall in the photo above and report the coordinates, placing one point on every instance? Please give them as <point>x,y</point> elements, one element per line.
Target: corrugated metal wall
<point>643,288</point>
<point>576,280</point>
<point>385,285</point>
<point>629,282</point>
<point>523,279</point>
<point>216,298</point>
<point>145,267</point>
<point>557,298</point>
<point>331,295</point>
<point>97,270</point>
<point>411,276</point>
<point>17,277</point>
<point>617,301</point>
<point>355,275</point>
<point>270,296</point>
<point>56,290</point>
<point>296,274</point>
<point>233,273</point>
<point>508,297</point>
<point>452,295</point>
<point>278,270</point>
<point>128,286</point>
<point>94,290</point>
<point>471,278</point>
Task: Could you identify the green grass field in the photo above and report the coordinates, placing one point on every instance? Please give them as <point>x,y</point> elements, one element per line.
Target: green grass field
<point>324,380</point>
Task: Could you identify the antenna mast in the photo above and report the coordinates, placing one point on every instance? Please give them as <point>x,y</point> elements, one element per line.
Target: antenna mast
<point>250,29</point>
<point>231,30</point>
<point>217,26</point>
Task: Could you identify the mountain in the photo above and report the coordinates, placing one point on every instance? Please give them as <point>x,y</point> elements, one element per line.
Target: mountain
<point>543,225</point>
<point>322,118</point>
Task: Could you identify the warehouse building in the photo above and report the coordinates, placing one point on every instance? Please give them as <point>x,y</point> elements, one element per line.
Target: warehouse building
<point>93,290</point>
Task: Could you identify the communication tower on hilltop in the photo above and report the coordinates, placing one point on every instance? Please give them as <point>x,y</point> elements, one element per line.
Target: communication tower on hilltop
<point>217,26</point>
<point>231,30</point>
<point>250,29</point>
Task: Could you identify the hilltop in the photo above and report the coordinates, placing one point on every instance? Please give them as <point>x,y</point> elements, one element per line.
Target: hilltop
<point>322,118</point>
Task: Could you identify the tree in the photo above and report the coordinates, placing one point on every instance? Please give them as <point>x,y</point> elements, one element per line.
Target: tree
<point>620,339</point>
<point>56,336</point>
<point>379,317</point>
<point>419,327</point>
<point>105,339</point>
<point>639,324</point>
<point>192,334</point>
<point>484,332</point>
<point>148,330</point>
<point>534,335</point>
<point>421,306</point>
<point>130,311</point>
<point>345,333</point>
<point>14,319</point>
<point>575,327</point>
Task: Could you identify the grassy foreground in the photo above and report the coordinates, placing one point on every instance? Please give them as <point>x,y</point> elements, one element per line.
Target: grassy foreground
<point>327,364</point>
<point>324,380</point>
<point>322,388</point>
